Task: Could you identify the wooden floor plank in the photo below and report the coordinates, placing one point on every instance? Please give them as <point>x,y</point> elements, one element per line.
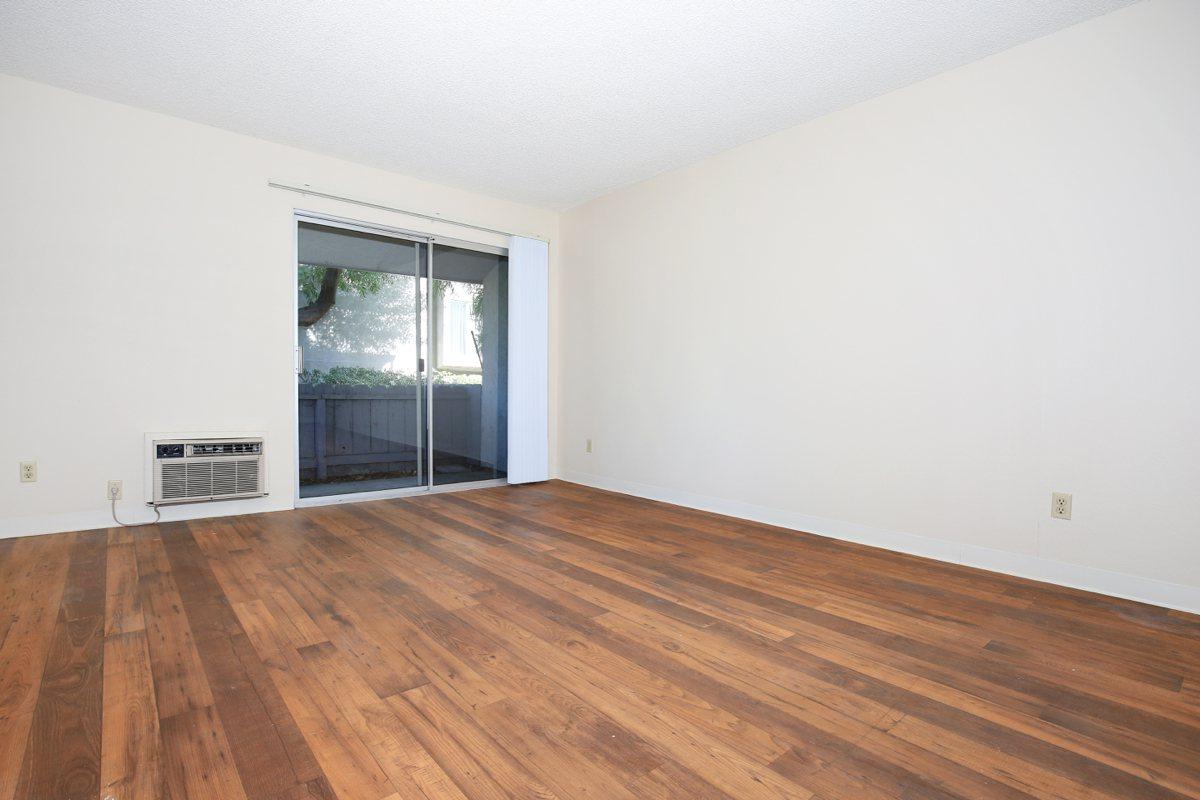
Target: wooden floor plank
<point>411,769</point>
<point>123,604</point>
<point>34,577</point>
<point>272,757</point>
<point>552,642</point>
<point>131,755</point>
<point>462,733</point>
<point>349,767</point>
<point>63,756</point>
<point>197,758</point>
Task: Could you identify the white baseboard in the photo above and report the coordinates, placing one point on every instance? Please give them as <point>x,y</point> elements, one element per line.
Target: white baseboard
<point>1075,576</point>
<point>130,512</point>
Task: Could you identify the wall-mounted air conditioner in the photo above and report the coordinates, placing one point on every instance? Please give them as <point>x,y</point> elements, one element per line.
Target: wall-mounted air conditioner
<point>184,469</point>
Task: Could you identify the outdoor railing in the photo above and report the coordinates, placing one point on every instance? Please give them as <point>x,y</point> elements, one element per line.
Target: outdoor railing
<point>357,430</point>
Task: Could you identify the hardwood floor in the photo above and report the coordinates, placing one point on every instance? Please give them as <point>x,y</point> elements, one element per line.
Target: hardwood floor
<point>554,641</point>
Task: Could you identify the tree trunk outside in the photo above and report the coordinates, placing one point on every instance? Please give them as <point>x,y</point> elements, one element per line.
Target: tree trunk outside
<point>312,313</point>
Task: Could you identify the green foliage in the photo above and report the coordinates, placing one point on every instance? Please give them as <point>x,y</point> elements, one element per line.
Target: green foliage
<point>359,281</point>
<point>356,376</point>
<point>365,376</point>
<point>477,304</point>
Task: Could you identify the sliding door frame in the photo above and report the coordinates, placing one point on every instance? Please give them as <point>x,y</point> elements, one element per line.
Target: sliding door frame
<point>423,330</point>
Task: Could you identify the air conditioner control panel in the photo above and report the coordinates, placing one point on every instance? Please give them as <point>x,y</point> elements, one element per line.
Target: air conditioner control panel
<point>207,449</point>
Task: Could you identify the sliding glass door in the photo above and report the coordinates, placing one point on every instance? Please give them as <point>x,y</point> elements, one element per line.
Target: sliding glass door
<point>402,380</point>
<point>469,345</point>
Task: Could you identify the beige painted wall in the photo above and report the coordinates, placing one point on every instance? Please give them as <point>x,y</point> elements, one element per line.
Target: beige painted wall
<point>148,286</point>
<point>909,322</point>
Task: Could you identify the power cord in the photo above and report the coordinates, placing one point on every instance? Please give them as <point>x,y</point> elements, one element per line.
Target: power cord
<point>157,517</point>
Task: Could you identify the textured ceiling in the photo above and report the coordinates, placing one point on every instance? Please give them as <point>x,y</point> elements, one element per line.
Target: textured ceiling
<point>549,103</point>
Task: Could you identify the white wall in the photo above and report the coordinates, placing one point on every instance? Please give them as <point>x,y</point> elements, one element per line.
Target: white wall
<point>148,286</point>
<point>908,322</point>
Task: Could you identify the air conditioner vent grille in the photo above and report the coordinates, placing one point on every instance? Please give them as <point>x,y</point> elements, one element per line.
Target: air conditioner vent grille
<point>174,481</point>
<point>224,478</point>
<point>198,470</point>
<point>199,479</point>
<point>247,475</point>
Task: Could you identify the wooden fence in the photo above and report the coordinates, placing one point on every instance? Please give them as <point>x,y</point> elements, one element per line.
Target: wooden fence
<point>359,430</point>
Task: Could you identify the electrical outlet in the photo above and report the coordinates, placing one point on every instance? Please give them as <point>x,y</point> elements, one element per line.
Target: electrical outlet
<point>1060,505</point>
<point>28,472</point>
<point>114,490</point>
<point>588,447</point>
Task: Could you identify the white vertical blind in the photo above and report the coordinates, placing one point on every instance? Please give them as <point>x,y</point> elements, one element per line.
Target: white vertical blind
<point>528,360</point>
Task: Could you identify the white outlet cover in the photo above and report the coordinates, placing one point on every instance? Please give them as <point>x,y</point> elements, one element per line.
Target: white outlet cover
<point>1060,505</point>
<point>111,486</point>
<point>28,472</point>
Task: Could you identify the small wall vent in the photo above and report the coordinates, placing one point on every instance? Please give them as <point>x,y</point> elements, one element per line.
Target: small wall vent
<point>201,470</point>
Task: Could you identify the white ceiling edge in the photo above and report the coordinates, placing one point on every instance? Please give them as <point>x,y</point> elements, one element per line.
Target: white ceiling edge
<point>547,106</point>
<point>831,111</point>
